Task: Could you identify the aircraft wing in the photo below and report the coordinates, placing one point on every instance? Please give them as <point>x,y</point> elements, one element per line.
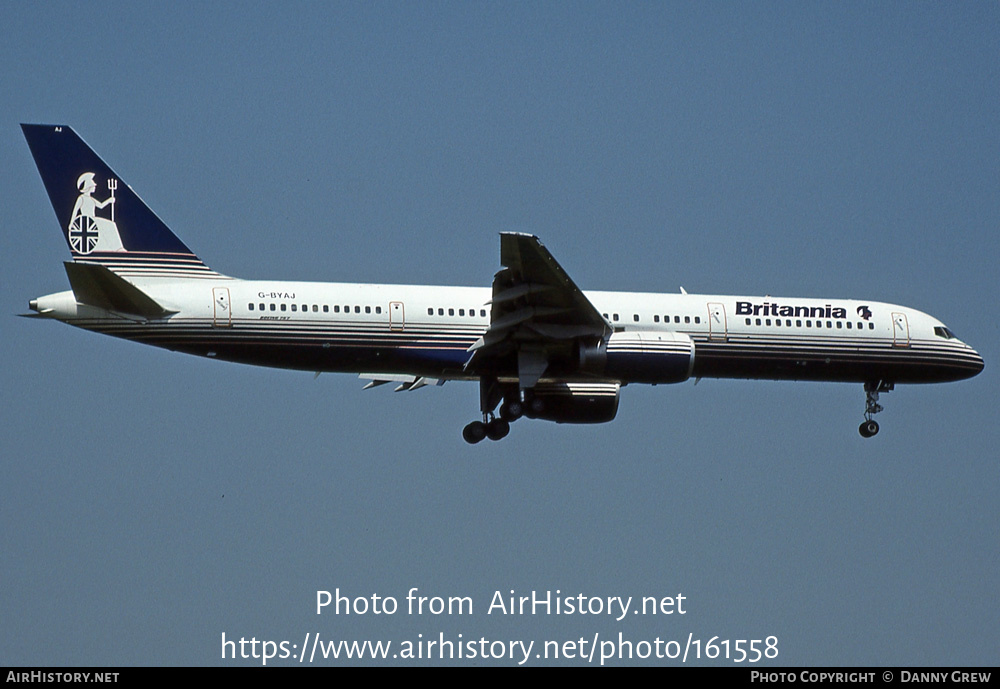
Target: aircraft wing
<point>538,311</point>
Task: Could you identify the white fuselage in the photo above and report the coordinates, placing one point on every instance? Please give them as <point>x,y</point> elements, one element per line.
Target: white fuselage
<point>428,330</point>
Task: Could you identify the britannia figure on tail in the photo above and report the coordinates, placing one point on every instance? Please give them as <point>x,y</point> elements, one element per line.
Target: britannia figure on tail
<point>87,232</point>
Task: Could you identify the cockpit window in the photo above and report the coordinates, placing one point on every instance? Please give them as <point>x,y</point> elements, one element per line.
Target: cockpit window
<point>942,331</point>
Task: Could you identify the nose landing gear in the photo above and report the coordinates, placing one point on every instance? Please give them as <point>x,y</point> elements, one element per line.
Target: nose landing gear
<point>869,426</point>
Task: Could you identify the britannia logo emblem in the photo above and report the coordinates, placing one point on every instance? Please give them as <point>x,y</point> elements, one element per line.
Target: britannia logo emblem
<point>865,312</point>
<point>88,232</point>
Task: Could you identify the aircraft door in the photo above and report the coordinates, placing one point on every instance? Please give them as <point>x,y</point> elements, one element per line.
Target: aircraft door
<point>717,321</point>
<point>222,313</point>
<point>396,321</point>
<point>900,330</point>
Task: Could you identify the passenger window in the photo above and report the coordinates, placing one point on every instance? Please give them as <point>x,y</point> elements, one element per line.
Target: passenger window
<point>336,308</point>
<point>615,317</point>
<point>687,319</point>
<point>368,309</point>
<point>378,309</point>
<point>758,321</point>
<point>326,309</point>
<point>798,324</point>
<point>430,311</point>
<point>295,307</point>
<point>748,321</point>
<point>451,312</point>
<point>273,307</point>
<point>251,307</point>
<point>656,319</point>
<point>635,317</point>
<point>461,312</point>
<point>261,307</point>
<point>697,319</point>
<point>357,309</point>
<point>482,312</point>
<point>677,319</point>
<point>848,325</point>
<point>284,307</point>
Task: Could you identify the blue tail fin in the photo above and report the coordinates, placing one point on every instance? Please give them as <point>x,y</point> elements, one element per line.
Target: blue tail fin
<point>104,221</point>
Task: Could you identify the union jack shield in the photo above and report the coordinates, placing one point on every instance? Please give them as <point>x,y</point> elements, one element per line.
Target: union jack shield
<point>83,234</point>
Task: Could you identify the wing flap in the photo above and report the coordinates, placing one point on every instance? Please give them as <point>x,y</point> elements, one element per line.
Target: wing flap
<point>518,291</point>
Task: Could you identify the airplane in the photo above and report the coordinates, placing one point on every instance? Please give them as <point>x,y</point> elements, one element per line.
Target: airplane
<point>537,344</point>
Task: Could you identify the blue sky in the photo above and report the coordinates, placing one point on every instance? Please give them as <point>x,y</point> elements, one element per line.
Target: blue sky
<point>152,502</point>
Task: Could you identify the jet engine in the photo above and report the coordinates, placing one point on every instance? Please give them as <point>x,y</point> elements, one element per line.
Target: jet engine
<point>640,357</point>
<point>577,402</point>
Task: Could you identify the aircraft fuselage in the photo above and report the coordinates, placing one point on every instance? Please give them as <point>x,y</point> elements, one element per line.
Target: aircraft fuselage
<point>427,330</point>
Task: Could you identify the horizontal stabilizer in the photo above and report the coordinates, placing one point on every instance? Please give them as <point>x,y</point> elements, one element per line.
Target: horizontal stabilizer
<point>95,285</point>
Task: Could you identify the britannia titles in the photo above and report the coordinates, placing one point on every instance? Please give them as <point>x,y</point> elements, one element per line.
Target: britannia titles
<point>746,308</point>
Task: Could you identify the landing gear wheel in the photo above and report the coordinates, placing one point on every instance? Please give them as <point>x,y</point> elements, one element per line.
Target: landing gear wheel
<point>533,407</point>
<point>474,432</point>
<point>868,428</point>
<point>511,411</point>
<point>497,429</point>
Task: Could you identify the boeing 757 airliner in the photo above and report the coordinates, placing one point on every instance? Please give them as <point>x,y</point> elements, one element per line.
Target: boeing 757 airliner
<point>538,345</point>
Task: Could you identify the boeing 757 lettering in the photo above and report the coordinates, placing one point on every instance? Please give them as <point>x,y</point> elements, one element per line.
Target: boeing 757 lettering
<point>536,343</point>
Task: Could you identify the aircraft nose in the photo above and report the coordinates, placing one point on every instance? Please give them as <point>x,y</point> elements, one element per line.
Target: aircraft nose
<point>978,363</point>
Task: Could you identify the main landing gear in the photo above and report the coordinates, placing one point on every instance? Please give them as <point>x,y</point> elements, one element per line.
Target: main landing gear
<point>493,427</point>
<point>869,426</point>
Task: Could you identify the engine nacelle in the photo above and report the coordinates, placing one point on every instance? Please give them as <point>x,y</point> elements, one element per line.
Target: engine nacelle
<point>573,402</point>
<point>641,357</point>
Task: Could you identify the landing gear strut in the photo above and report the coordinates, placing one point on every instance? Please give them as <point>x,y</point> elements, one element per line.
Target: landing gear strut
<point>869,426</point>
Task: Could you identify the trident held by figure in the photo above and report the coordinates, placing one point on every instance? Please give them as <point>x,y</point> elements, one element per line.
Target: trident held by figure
<point>112,185</point>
